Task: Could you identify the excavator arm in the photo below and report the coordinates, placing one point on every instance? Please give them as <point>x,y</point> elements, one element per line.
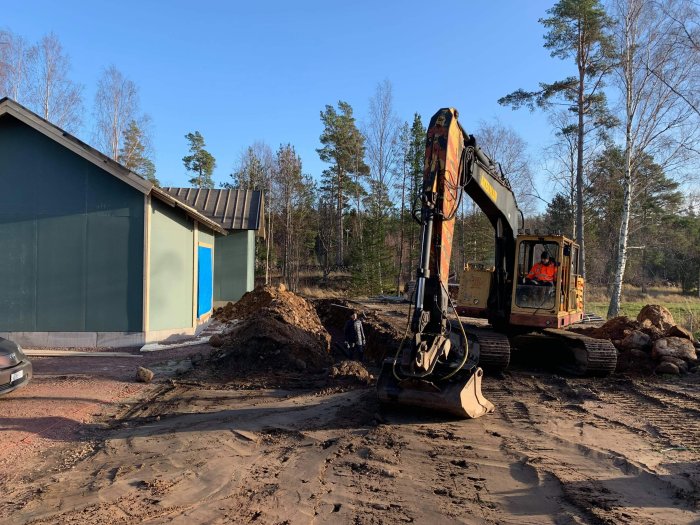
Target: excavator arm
<point>436,369</point>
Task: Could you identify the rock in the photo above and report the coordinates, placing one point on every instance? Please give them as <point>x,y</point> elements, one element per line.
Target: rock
<point>144,375</point>
<point>636,353</point>
<point>216,340</point>
<point>635,339</point>
<point>657,316</point>
<point>682,365</point>
<point>679,331</point>
<point>674,347</point>
<point>667,368</point>
<point>635,360</point>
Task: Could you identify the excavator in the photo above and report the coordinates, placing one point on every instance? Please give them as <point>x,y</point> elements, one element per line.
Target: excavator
<point>441,365</point>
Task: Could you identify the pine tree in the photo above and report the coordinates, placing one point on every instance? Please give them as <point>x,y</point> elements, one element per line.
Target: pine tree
<point>578,29</point>
<point>343,148</point>
<point>133,153</point>
<point>560,215</point>
<point>199,161</point>
<point>416,159</point>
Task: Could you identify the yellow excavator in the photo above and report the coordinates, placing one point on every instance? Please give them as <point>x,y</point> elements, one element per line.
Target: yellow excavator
<point>441,366</point>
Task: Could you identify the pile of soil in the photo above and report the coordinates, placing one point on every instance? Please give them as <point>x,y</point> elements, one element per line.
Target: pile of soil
<point>652,342</point>
<point>382,338</point>
<point>271,330</point>
<point>353,371</point>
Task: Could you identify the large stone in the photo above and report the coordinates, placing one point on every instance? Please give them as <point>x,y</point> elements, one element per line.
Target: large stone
<point>679,331</point>
<point>675,347</point>
<point>144,375</point>
<point>657,316</point>
<point>216,340</point>
<point>635,339</point>
<point>635,360</point>
<point>667,368</point>
<point>680,363</point>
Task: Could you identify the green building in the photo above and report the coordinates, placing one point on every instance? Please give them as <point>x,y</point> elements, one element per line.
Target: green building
<point>94,255</point>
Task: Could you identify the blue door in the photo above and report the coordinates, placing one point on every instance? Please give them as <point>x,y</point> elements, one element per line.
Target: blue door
<point>205,281</point>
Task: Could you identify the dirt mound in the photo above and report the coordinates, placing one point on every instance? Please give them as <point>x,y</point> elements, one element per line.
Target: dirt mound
<point>382,338</point>
<point>277,300</point>
<point>351,370</point>
<point>271,329</point>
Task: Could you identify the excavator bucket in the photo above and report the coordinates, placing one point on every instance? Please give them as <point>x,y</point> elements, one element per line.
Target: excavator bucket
<point>460,396</point>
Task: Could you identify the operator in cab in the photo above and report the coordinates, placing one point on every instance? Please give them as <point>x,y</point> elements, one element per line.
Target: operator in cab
<point>543,272</point>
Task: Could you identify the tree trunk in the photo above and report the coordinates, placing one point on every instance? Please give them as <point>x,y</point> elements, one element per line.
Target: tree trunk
<point>339,222</point>
<point>580,238</point>
<point>616,294</point>
<point>403,212</point>
<point>614,307</point>
<point>269,237</point>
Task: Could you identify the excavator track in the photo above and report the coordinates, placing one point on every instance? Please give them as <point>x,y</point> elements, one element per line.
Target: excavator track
<point>596,357</point>
<point>493,347</point>
<point>585,356</point>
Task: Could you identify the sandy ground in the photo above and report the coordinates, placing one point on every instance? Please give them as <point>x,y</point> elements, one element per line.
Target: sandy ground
<point>557,450</point>
<point>68,394</point>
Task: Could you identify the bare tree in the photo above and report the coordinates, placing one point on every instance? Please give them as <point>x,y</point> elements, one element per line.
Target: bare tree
<point>51,93</point>
<point>684,22</point>
<point>383,147</point>
<point>14,57</point>
<point>509,150</point>
<point>657,122</point>
<point>116,105</point>
<point>254,171</point>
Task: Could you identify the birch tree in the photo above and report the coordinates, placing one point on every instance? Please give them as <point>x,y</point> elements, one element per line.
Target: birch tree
<point>51,93</point>
<point>14,66</point>
<point>116,105</point>
<point>656,121</point>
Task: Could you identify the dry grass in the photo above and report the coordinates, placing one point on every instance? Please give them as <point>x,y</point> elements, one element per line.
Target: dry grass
<point>685,309</point>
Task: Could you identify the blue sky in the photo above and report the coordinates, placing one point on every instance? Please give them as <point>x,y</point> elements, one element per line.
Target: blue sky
<point>241,72</point>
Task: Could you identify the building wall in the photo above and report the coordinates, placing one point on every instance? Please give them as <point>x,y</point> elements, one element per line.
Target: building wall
<point>234,265</point>
<point>71,237</point>
<point>171,268</point>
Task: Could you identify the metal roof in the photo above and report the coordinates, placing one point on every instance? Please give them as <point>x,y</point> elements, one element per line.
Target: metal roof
<point>232,209</point>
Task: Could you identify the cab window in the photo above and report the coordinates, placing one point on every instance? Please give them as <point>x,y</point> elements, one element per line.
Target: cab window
<point>531,291</point>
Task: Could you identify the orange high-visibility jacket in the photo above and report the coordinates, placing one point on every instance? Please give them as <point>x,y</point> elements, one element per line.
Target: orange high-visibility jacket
<point>543,273</point>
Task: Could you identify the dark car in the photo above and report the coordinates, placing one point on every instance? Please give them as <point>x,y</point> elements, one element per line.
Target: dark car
<point>15,368</point>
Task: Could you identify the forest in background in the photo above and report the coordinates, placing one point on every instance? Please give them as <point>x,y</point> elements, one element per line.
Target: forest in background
<point>620,177</point>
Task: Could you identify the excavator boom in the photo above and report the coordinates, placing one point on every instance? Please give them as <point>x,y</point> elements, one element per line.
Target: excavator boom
<point>436,369</point>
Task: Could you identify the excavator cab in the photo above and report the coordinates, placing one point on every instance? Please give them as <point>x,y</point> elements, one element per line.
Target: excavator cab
<point>551,297</point>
